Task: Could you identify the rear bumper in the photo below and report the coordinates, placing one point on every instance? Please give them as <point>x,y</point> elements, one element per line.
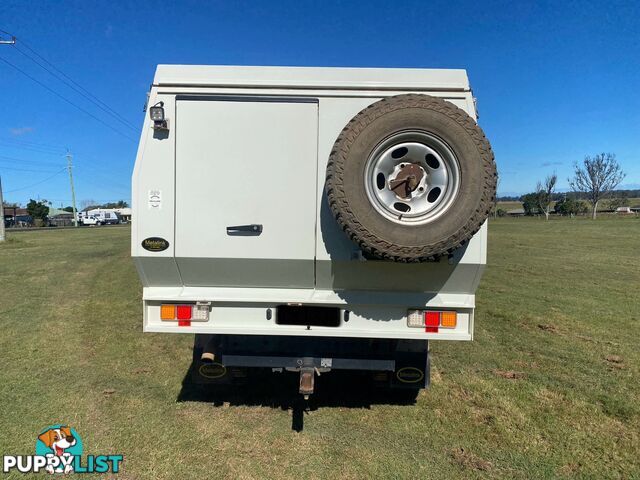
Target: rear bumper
<point>242,311</point>
<point>394,363</point>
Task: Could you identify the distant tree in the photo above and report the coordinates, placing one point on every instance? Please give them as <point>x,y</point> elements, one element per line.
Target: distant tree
<point>620,200</point>
<point>495,199</point>
<point>90,207</point>
<point>544,193</point>
<point>88,204</point>
<point>570,206</point>
<point>597,176</point>
<point>501,212</point>
<point>530,204</point>
<point>68,209</point>
<point>118,204</point>
<point>38,210</point>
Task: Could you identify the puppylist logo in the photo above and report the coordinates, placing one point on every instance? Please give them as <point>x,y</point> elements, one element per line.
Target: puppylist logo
<point>59,450</point>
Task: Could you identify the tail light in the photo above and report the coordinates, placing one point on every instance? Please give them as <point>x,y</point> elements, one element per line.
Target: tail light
<point>185,313</point>
<point>432,320</point>
<point>167,312</point>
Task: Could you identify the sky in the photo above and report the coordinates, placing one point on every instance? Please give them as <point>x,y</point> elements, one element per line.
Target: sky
<point>555,81</point>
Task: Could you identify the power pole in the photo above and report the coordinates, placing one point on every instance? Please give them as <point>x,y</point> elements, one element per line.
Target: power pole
<point>11,41</point>
<point>1,213</point>
<point>73,192</point>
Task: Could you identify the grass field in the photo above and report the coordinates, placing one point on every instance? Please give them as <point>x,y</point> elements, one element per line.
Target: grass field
<point>550,388</point>
<point>604,204</point>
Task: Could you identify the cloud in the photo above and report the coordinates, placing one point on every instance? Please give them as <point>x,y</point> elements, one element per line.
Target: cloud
<point>16,132</point>
<point>550,164</point>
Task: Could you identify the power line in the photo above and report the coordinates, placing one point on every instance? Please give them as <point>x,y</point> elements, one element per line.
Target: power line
<point>70,82</point>
<point>30,149</point>
<point>37,183</point>
<point>46,146</point>
<point>35,144</point>
<point>66,99</point>
<point>21,160</point>
<point>25,170</point>
<point>78,85</point>
<point>77,88</point>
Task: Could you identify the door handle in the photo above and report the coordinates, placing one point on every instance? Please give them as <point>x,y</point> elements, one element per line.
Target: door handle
<point>253,230</point>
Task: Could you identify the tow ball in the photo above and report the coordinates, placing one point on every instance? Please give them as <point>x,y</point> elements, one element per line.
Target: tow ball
<point>307,381</point>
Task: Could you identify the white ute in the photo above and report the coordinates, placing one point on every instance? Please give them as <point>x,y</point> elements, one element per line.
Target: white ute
<point>311,219</point>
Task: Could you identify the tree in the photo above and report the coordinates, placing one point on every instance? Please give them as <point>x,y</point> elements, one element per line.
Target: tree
<point>544,193</point>
<point>570,206</point>
<point>495,198</point>
<point>38,210</point>
<point>118,204</point>
<point>597,176</point>
<point>620,200</point>
<point>530,204</point>
<point>68,209</point>
<point>88,204</point>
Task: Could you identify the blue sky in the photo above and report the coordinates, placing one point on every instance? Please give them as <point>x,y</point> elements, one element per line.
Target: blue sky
<point>555,81</point>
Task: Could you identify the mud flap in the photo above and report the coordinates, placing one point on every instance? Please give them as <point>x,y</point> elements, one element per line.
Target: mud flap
<point>412,372</point>
<point>212,371</point>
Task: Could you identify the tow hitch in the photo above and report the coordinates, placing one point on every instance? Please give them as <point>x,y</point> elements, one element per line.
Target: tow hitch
<point>307,367</point>
<point>307,381</point>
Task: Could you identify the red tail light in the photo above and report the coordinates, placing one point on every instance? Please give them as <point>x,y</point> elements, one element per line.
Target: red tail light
<point>431,322</point>
<point>183,312</point>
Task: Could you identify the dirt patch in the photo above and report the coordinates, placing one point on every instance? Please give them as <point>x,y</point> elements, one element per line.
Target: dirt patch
<point>615,362</point>
<point>605,342</point>
<point>138,371</point>
<point>548,328</point>
<point>569,470</point>
<point>469,460</point>
<point>510,374</point>
<point>613,359</point>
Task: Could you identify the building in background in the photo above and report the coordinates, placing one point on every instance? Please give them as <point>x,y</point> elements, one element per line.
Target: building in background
<point>60,218</point>
<point>17,217</point>
<point>124,213</point>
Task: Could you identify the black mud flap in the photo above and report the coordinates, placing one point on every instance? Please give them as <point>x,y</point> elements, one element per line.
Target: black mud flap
<point>212,371</point>
<point>412,372</point>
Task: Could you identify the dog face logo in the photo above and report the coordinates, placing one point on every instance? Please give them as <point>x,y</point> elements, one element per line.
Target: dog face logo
<point>58,439</point>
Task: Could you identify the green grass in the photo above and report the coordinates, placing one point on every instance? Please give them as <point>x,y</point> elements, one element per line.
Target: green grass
<point>548,389</point>
<point>604,204</point>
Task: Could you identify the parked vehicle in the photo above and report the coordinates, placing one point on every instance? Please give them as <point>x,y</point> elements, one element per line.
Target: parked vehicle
<point>311,219</point>
<point>624,211</point>
<point>100,217</point>
<point>90,220</point>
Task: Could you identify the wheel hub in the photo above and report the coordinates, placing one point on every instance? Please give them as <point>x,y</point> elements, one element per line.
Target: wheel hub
<point>406,180</point>
<point>412,177</point>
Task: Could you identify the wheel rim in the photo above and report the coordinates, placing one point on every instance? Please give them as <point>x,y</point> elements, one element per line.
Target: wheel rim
<point>412,177</point>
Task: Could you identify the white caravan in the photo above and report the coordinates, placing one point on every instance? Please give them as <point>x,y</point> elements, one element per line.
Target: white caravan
<point>98,216</point>
<point>311,219</point>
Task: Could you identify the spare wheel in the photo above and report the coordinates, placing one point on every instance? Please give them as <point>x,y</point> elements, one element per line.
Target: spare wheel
<point>410,178</point>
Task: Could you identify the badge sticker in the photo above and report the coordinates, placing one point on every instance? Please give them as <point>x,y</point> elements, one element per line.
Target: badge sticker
<point>155,244</point>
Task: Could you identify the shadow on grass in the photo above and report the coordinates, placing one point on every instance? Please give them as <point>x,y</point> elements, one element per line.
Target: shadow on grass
<point>263,388</point>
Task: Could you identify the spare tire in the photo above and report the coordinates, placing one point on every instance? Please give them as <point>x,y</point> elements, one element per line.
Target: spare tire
<point>410,178</point>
